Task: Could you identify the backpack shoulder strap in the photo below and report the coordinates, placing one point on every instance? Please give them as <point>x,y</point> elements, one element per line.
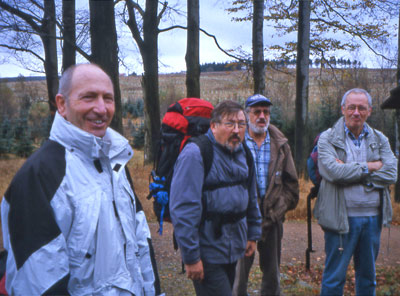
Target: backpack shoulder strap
<point>206,151</point>
<point>249,159</point>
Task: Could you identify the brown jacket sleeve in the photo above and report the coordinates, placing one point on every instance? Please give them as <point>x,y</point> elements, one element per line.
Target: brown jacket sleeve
<point>283,194</point>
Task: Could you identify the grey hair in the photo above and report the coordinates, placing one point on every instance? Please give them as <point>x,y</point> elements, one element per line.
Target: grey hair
<point>64,87</point>
<point>357,91</point>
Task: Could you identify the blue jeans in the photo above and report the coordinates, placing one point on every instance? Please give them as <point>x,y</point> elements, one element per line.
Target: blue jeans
<point>362,243</point>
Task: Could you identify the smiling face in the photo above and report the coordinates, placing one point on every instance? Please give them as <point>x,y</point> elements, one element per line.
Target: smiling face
<point>90,103</point>
<point>230,131</point>
<point>356,111</point>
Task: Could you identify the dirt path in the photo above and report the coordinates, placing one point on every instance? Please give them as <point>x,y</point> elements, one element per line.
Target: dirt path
<point>294,244</point>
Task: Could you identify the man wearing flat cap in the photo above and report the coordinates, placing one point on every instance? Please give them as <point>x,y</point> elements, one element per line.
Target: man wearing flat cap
<point>278,192</point>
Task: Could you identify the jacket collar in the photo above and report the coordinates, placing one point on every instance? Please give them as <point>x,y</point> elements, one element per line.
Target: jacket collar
<point>273,135</point>
<point>338,134</point>
<point>75,139</point>
<point>277,137</point>
<point>210,135</point>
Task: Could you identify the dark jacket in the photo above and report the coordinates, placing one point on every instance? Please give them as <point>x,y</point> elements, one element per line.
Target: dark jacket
<point>188,202</point>
<point>283,185</point>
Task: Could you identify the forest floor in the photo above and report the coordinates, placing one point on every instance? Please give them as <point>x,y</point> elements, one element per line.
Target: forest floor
<point>295,279</point>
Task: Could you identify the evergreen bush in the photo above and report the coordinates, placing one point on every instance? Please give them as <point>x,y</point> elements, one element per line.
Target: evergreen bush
<point>6,136</point>
<point>23,145</point>
<point>138,137</point>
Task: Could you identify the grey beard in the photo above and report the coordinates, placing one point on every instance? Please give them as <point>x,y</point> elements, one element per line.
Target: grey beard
<point>258,130</point>
<point>231,148</point>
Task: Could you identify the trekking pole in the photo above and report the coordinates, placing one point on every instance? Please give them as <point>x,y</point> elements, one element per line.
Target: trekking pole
<point>311,195</point>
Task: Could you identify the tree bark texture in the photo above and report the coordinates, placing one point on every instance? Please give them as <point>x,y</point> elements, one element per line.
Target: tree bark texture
<point>68,18</point>
<point>48,36</point>
<point>397,186</point>
<point>258,47</point>
<point>45,28</point>
<point>148,47</point>
<point>105,49</point>
<point>150,80</point>
<point>192,50</point>
<point>302,79</point>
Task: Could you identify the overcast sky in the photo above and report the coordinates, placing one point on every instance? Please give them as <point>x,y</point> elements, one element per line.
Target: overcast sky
<point>172,44</point>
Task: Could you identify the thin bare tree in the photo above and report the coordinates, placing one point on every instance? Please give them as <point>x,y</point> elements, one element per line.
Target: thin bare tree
<point>192,50</point>
<point>105,54</point>
<point>302,78</point>
<point>145,33</point>
<point>69,36</point>
<point>258,47</point>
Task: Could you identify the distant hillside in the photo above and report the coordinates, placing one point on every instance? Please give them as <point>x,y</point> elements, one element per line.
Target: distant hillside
<point>26,78</point>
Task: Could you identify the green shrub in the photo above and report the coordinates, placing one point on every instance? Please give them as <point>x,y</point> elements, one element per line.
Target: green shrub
<point>138,137</point>
<point>6,136</point>
<point>23,145</point>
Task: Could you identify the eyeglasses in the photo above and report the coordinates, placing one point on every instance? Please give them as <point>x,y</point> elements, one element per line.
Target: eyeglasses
<point>232,124</point>
<point>361,109</point>
<point>258,112</point>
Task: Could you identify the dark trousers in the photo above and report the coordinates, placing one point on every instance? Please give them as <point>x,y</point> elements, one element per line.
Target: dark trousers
<point>270,258</point>
<point>218,280</point>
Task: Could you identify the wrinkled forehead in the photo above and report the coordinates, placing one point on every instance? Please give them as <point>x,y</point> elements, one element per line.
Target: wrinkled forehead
<point>237,116</point>
<point>358,99</point>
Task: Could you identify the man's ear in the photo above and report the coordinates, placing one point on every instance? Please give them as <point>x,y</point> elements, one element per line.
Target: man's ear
<point>213,126</point>
<point>61,105</point>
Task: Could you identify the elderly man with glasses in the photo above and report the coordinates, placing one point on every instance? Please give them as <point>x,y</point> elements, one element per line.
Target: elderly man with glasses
<point>357,166</point>
<point>278,192</point>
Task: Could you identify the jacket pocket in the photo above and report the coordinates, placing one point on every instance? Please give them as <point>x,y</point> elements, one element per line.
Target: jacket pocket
<point>80,241</point>
<point>330,209</point>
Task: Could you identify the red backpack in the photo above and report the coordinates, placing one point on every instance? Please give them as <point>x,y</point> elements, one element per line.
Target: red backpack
<point>189,117</point>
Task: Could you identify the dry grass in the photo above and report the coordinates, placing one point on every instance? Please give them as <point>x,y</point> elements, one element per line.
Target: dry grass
<point>140,175</point>
<point>8,168</point>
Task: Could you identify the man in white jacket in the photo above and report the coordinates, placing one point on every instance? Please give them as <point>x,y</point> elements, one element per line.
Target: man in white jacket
<point>71,221</point>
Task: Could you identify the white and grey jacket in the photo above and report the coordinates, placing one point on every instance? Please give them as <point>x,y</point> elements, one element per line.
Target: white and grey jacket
<point>71,222</point>
<point>330,208</point>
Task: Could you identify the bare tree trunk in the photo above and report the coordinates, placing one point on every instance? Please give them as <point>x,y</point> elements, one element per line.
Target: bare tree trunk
<point>397,186</point>
<point>48,36</point>
<point>68,17</point>
<point>150,80</point>
<point>192,50</point>
<point>258,47</point>
<point>302,71</point>
<point>148,47</point>
<point>105,49</point>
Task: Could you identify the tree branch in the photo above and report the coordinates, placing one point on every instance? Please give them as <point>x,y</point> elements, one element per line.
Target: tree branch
<point>246,61</point>
<point>132,24</point>
<point>164,8</point>
<point>26,17</point>
<point>22,50</point>
<point>355,32</point>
